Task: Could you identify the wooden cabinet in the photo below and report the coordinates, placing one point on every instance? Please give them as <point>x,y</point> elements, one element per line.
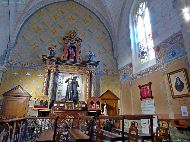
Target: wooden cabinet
<point>94,106</point>
<point>111,101</point>
<point>15,102</point>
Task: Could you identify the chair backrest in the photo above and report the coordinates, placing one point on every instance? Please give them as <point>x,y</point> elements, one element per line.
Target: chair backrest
<point>99,135</point>
<point>58,136</point>
<point>162,133</point>
<point>133,134</point>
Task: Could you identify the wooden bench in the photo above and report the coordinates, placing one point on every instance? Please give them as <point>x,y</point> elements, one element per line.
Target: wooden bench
<point>50,135</point>
<point>110,136</point>
<point>78,135</point>
<point>46,136</point>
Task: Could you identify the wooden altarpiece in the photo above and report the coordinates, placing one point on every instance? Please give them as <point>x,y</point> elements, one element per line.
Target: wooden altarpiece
<point>67,71</point>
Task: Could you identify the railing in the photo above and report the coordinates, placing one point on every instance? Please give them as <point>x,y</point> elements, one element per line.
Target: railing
<point>24,129</point>
<point>36,125</point>
<point>29,129</point>
<point>12,130</point>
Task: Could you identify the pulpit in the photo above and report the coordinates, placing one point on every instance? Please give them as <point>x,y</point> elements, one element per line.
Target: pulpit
<point>15,102</point>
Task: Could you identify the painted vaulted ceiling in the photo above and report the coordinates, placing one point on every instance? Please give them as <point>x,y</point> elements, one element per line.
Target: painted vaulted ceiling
<point>48,25</point>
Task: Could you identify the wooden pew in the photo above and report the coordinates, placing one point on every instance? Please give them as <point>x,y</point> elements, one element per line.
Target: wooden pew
<point>78,135</point>
<point>86,125</point>
<point>46,136</point>
<point>103,133</point>
<point>110,136</point>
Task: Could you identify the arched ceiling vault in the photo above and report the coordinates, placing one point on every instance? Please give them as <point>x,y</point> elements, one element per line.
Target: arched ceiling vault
<point>49,22</point>
<point>95,6</point>
<point>109,11</point>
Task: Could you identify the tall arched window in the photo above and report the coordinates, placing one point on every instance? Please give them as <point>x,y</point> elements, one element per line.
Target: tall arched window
<point>141,33</point>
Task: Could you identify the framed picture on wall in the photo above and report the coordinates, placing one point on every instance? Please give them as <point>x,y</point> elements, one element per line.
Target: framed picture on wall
<point>145,91</point>
<point>179,83</point>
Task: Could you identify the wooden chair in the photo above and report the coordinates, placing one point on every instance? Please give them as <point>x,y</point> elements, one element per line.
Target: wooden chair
<point>133,135</point>
<point>99,135</point>
<point>161,134</point>
<point>133,132</point>
<point>162,131</point>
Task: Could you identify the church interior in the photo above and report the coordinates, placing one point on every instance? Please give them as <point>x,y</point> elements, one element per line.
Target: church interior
<point>94,70</point>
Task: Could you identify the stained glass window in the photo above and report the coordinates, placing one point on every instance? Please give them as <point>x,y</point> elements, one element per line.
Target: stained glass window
<point>143,34</point>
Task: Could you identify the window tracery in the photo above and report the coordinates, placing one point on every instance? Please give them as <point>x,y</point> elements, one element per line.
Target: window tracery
<point>144,41</point>
<point>142,44</point>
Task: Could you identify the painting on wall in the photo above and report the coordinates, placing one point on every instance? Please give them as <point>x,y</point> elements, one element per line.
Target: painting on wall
<point>179,83</point>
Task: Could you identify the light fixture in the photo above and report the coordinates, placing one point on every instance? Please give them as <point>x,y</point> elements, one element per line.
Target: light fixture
<point>186,12</point>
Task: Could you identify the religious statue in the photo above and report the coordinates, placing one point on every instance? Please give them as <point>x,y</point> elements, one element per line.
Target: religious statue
<point>91,56</point>
<point>72,92</point>
<point>105,111</point>
<point>72,45</point>
<point>52,50</point>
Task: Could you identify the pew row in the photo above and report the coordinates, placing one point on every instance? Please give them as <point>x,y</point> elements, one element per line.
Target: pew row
<point>78,135</point>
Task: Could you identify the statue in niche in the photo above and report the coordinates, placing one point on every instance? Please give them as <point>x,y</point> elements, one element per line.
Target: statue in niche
<point>91,56</point>
<point>52,51</point>
<point>105,111</point>
<point>72,92</point>
<point>72,47</point>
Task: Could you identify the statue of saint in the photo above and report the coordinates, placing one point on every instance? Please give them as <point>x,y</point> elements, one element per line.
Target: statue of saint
<point>72,92</point>
<point>105,112</point>
<point>91,56</point>
<point>72,47</point>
